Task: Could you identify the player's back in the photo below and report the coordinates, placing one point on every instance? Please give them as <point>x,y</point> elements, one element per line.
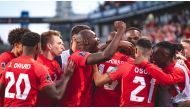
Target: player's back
<point>21,82</point>
<point>138,88</point>
<point>109,94</point>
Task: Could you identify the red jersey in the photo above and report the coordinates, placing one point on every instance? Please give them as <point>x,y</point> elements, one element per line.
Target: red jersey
<point>79,88</point>
<point>4,59</point>
<point>187,62</point>
<point>109,94</point>
<point>176,77</point>
<point>23,77</point>
<point>137,85</point>
<point>55,72</point>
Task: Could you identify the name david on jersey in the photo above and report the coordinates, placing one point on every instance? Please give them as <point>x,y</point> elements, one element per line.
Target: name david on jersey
<point>20,66</point>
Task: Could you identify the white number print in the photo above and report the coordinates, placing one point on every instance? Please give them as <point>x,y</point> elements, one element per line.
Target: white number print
<point>142,85</point>
<point>19,95</point>
<point>112,85</point>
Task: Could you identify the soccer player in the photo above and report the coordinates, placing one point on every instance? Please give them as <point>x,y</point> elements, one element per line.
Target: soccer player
<point>175,73</point>
<point>65,54</point>
<point>24,77</point>
<point>14,38</point>
<point>109,94</point>
<point>79,90</point>
<point>137,85</point>
<point>132,35</point>
<point>52,46</point>
<point>186,46</point>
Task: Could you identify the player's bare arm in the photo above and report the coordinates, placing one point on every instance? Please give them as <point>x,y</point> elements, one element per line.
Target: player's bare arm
<point>111,48</point>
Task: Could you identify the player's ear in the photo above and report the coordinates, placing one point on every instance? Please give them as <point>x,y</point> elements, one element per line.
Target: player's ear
<point>48,46</point>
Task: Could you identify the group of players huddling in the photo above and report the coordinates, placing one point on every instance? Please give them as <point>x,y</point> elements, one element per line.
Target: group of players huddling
<point>126,71</point>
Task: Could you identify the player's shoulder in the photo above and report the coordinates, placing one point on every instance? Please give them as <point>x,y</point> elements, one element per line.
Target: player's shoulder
<point>79,54</point>
<point>6,56</point>
<point>39,67</point>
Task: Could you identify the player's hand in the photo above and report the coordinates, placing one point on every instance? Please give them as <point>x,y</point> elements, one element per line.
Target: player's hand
<point>127,46</point>
<point>120,25</point>
<point>179,55</point>
<point>69,68</point>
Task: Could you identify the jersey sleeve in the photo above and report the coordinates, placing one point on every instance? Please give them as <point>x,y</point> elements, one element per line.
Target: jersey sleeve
<point>43,76</point>
<point>2,78</point>
<point>80,58</point>
<point>176,76</point>
<point>120,71</point>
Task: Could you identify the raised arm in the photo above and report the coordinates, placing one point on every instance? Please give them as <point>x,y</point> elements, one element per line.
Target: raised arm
<point>111,48</point>
<point>173,77</point>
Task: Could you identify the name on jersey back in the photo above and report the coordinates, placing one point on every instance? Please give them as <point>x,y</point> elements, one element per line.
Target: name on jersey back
<point>20,66</point>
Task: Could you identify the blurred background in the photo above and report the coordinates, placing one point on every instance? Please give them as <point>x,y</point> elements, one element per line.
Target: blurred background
<point>158,20</point>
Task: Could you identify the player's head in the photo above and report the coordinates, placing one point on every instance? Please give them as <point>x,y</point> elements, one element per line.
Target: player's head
<point>14,38</point>
<point>132,34</point>
<point>51,41</point>
<point>31,44</point>
<point>74,31</point>
<point>87,41</point>
<point>186,46</point>
<point>164,53</point>
<point>143,47</point>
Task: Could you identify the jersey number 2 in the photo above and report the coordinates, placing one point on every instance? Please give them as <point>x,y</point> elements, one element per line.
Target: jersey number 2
<point>142,85</point>
<point>21,77</point>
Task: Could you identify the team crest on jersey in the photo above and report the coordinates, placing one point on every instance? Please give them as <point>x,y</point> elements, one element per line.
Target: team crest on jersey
<point>82,53</point>
<point>48,77</point>
<point>3,64</point>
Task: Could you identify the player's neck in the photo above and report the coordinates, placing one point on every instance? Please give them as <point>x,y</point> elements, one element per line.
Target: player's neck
<point>14,52</point>
<point>48,55</point>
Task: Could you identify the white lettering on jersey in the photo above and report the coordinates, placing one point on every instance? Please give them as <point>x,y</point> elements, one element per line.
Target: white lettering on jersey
<point>22,66</point>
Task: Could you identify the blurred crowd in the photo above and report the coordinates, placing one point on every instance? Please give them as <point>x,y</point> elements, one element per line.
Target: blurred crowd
<point>173,29</point>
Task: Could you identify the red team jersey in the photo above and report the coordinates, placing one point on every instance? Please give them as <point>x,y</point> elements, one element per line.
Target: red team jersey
<point>176,78</point>
<point>4,59</point>
<point>23,78</point>
<point>80,87</point>
<point>109,94</point>
<point>137,85</point>
<point>55,72</point>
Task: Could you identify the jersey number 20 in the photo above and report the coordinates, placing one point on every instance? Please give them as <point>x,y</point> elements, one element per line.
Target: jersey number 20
<point>19,95</point>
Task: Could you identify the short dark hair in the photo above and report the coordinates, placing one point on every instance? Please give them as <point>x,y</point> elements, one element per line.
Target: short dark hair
<point>173,48</point>
<point>16,35</point>
<point>145,43</point>
<point>76,29</point>
<point>133,28</point>
<point>30,39</point>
